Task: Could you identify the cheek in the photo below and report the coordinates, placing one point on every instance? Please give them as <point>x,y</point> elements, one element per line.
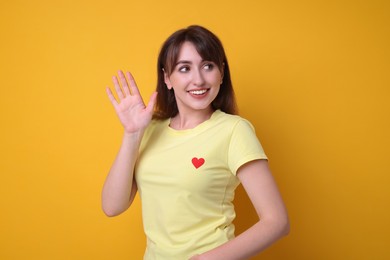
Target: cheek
<point>177,81</point>
<point>214,91</point>
<point>215,79</point>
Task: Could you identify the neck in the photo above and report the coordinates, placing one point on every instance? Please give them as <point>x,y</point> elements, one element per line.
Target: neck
<point>184,121</point>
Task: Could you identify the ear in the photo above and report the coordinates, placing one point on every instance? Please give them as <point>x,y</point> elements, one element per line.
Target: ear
<point>167,80</point>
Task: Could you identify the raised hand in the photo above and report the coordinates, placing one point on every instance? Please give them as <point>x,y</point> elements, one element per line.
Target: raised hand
<point>130,108</point>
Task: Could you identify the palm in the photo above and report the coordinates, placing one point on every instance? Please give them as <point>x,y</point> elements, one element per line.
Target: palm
<point>131,110</point>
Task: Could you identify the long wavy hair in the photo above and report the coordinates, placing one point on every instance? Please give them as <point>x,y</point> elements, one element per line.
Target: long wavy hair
<point>209,48</point>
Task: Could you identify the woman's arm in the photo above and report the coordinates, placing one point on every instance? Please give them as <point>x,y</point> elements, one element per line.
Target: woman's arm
<point>261,188</point>
<point>120,188</point>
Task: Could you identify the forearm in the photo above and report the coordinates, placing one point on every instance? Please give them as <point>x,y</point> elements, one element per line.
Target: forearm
<point>117,191</point>
<point>251,242</point>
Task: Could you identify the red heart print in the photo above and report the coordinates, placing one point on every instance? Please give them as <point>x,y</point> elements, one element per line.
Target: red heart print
<point>197,162</point>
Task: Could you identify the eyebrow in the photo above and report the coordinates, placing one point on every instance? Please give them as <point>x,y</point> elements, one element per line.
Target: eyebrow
<point>187,62</point>
<point>183,62</point>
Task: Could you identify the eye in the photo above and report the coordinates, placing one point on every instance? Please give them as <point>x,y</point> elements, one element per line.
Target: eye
<point>184,68</point>
<point>208,66</point>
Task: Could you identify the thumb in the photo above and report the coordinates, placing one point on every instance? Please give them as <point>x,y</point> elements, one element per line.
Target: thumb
<point>152,102</point>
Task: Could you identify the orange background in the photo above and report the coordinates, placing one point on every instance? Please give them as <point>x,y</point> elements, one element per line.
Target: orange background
<point>312,76</point>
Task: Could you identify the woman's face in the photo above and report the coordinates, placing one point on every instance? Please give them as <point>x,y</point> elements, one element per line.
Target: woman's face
<point>195,81</point>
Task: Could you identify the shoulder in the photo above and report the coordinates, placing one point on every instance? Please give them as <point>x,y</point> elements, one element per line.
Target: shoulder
<point>232,122</point>
<point>154,127</point>
<point>156,124</point>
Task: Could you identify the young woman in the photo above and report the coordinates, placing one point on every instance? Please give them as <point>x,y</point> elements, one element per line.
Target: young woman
<point>186,152</point>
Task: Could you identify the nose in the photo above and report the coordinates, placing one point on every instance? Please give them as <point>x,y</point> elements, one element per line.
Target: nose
<point>198,78</point>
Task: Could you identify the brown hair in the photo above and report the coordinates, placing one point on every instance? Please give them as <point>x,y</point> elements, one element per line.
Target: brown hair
<point>209,48</point>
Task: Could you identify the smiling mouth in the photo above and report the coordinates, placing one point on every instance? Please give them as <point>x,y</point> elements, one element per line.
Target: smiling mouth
<point>198,92</point>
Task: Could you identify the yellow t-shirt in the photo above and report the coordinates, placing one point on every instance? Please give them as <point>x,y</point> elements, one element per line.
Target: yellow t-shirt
<point>186,180</point>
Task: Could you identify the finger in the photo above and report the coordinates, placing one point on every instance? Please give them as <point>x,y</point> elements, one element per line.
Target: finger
<point>123,80</point>
<point>117,87</point>
<point>152,102</point>
<point>111,97</point>
<point>133,86</point>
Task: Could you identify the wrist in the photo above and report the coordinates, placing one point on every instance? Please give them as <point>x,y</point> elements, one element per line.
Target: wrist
<point>134,137</point>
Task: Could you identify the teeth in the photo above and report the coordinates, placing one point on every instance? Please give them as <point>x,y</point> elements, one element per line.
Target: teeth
<point>198,92</point>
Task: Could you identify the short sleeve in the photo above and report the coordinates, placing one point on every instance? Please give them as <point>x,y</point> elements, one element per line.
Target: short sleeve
<point>244,146</point>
